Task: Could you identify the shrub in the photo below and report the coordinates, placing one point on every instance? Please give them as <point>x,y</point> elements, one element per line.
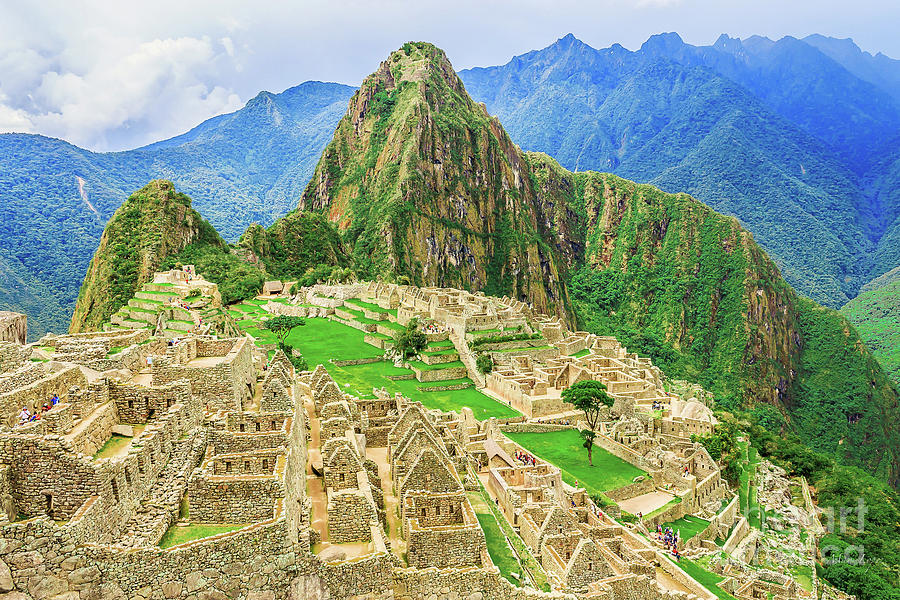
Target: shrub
<point>484,363</point>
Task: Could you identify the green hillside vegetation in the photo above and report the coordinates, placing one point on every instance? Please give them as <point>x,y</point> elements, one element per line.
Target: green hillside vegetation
<point>155,223</point>
<point>875,314</point>
<point>239,168</point>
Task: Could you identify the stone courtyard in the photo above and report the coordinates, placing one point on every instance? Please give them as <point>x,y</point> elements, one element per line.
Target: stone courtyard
<point>149,461</point>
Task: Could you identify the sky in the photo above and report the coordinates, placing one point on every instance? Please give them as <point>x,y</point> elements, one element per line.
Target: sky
<point>113,75</point>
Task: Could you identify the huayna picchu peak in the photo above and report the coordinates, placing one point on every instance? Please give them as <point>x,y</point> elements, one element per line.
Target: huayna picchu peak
<point>456,370</point>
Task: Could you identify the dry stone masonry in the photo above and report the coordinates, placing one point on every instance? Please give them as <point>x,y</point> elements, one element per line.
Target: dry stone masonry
<point>173,459</point>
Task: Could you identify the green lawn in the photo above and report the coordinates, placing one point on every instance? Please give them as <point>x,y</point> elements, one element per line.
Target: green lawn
<point>704,578</point>
<point>323,339</point>
<point>180,535</point>
<point>441,344</point>
<point>581,353</point>
<point>320,340</point>
<point>564,449</point>
<point>689,526</point>
<point>439,367</point>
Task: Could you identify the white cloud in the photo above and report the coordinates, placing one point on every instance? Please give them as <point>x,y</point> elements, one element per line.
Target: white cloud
<point>109,92</point>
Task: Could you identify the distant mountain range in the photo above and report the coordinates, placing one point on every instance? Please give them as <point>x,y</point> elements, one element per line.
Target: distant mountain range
<point>55,198</point>
<point>788,136</point>
<point>800,139</point>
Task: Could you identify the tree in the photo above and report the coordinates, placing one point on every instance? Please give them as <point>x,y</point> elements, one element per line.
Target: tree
<point>281,326</point>
<point>590,397</point>
<point>484,363</point>
<point>410,341</point>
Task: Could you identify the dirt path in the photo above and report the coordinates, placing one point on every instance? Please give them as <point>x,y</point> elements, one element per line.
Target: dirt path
<point>314,483</point>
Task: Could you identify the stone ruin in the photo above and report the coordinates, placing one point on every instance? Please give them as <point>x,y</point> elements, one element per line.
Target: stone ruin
<point>321,494</point>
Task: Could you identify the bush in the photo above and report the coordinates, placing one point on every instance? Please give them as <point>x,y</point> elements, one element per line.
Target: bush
<point>484,363</point>
<point>411,341</point>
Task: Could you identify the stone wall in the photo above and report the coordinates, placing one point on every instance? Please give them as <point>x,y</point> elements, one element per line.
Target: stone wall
<point>13,327</point>
<point>233,499</point>
<point>350,515</point>
<point>223,385</point>
<point>57,379</point>
<point>12,356</point>
<point>90,438</point>
<point>137,403</point>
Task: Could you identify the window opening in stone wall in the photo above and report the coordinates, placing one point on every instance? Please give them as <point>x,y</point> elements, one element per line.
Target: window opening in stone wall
<point>227,467</point>
<point>48,499</point>
<point>274,426</point>
<point>257,425</point>
<point>265,464</point>
<point>243,427</point>
<point>131,404</point>
<point>247,466</point>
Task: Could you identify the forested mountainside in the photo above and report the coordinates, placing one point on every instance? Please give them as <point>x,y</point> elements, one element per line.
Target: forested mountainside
<point>875,314</point>
<point>424,185</point>
<point>778,134</point>
<point>154,223</point>
<point>240,168</point>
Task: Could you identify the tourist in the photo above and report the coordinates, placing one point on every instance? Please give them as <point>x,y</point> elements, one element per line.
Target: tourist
<point>54,400</point>
<point>24,416</point>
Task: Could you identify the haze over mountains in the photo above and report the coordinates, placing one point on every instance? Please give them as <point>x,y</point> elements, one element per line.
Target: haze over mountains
<point>800,139</point>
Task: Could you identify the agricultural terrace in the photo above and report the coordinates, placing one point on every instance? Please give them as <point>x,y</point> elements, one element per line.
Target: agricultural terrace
<point>322,340</point>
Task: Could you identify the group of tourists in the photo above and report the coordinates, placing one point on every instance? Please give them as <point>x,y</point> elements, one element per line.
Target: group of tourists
<point>432,328</point>
<point>669,538</point>
<point>525,458</point>
<point>27,416</point>
<point>657,405</point>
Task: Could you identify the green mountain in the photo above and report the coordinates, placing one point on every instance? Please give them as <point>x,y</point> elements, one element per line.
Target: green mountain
<point>424,185</point>
<point>778,134</point>
<point>55,198</point>
<point>157,229</point>
<point>875,314</point>
<point>153,224</point>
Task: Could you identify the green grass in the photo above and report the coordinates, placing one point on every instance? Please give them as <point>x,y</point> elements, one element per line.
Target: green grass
<point>180,535</point>
<point>581,353</point>
<point>501,554</point>
<point>689,526</point>
<point>115,444</point>
<point>564,449</point>
<point>323,339</point>
<point>320,340</point>
<point>362,378</point>
<point>371,307</point>
<point>441,344</point>
<point>483,505</point>
<point>708,580</point>
<point>115,350</point>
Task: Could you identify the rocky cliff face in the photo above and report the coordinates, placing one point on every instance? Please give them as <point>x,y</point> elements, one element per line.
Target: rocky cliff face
<point>423,183</point>
<point>156,222</point>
